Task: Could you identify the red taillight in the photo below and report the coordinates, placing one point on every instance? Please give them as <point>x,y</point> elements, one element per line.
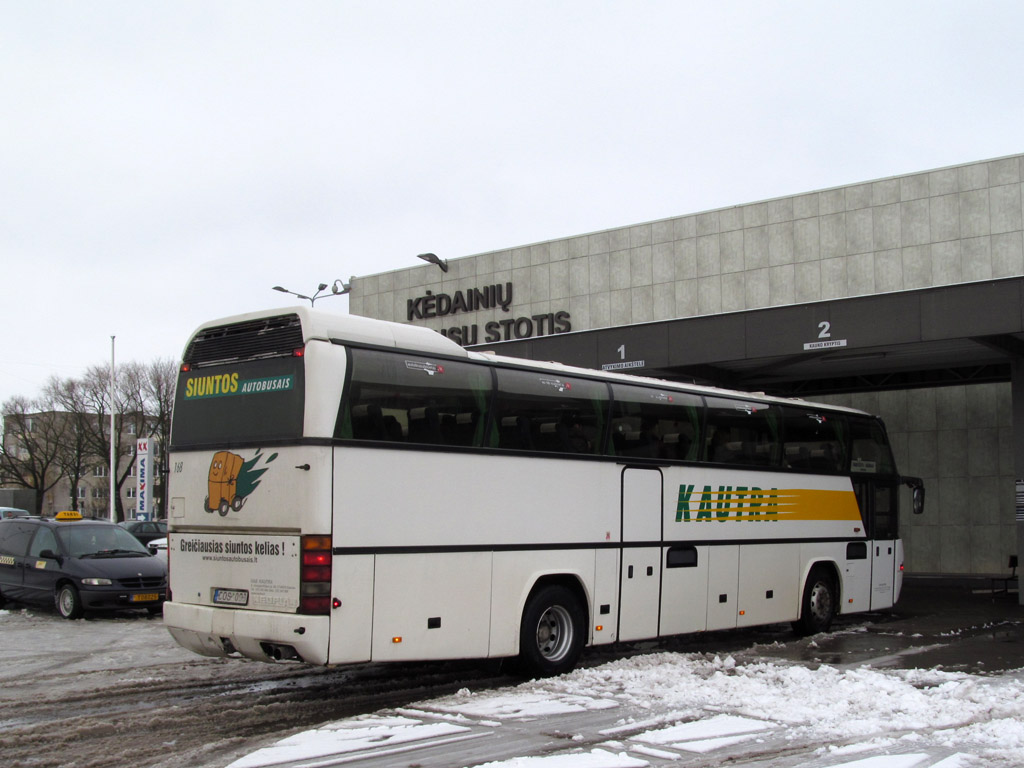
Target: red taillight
<point>315,584</point>
<point>185,367</point>
<point>299,352</point>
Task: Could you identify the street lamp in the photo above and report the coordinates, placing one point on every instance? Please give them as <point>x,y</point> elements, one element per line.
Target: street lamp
<point>432,258</point>
<point>337,289</point>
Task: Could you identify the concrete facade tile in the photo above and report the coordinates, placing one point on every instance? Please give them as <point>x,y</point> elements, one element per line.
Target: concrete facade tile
<point>953,499</point>
<point>521,258</point>
<point>642,304</point>
<point>599,242</point>
<point>858,196</point>
<point>889,271</point>
<point>951,408</point>
<point>805,206</point>
<point>834,278</point>
<point>917,267</point>
<point>1007,255</point>
<point>600,273</point>
<point>755,247</point>
<point>731,251</point>
<point>600,310</point>
<point>618,239</point>
<point>540,254</point>
<point>944,217</point>
<point>641,266</point>
<point>621,307</point>
<point>661,231</point>
<point>781,248</point>
<point>808,281</point>
<point>685,226</point>
<point>730,219</point>
<point>664,301</point>
<point>975,217</point>
<point>523,287</point>
<point>806,240</point>
<point>782,285</point>
<point>833,235</point>
<point>946,263</point>
<point>756,288</point>
<point>502,261</point>
<point>685,258</point>
<point>579,246</point>
<point>640,235</point>
<point>914,222</point>
<point>1006,451</point>
<point>559,280</point>
<point>1005,208</point>
<point>885,227</point>
<point>921,413</point>
<point>780,210</point>
<point>579,311</point>
<point>618,270</point>
<point>401,279</point>
<point>860,269</point>
<point>943,182</point>
<point>559,250</point>
<point>709,260</point>
<point>686,298</point>
<point>983,406</point>
<point>924,454</point>
<point>1005,171</point>
<point>707,223</point>
<point>386,281</point>
<point>755,215</point>
<point>982,452</point>
<point>859,231</point>
<point>983,508</point>
<point>956,549</point>
<point>579,277</point>
<point>734,296</point>
<point>914,187</point>
<point>977,258</point>
<point>663,263</point>
<point>709,295</point>
<point>885,192</point>
<point>973,176</point>
<point>831,201</point>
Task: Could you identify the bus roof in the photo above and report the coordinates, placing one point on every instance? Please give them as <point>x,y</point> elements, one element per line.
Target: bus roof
<point>334,327</point>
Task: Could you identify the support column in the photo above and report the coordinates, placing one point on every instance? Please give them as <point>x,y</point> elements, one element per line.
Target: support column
<point>1017,394</point>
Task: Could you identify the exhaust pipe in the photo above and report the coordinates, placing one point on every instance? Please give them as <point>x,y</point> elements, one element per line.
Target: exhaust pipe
<point>280,652</point>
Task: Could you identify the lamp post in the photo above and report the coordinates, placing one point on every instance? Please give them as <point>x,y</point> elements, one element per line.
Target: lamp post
<point>432,258</point>
<point>337,289</point>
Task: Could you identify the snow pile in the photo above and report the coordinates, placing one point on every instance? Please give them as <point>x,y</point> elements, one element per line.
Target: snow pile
<point>656,709</point>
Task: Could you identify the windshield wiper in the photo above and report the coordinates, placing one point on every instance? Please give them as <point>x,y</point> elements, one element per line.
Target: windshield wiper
<point>115,553</point>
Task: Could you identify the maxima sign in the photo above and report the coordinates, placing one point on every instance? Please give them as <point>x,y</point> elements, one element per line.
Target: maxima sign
<point>143,469</point>
<point>497,296</point>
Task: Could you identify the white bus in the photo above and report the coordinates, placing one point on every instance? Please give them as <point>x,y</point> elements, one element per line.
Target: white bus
<point>350,490</point>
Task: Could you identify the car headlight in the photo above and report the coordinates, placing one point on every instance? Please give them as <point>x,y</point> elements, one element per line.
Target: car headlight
<point>97,582</point>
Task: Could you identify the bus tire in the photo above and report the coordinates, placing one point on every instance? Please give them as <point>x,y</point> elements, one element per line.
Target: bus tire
<point>551,633</point>
<point>818,606</point>
<point>69,604</point>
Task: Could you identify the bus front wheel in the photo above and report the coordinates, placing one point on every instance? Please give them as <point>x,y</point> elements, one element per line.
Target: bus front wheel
<point>819,604</point>
<point>551,634</point>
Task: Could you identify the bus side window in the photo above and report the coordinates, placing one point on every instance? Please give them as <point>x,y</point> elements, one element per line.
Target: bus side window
<point>742,432</point>
<point>814,441</point>
<point>654,423</point>
<point>401,398</point>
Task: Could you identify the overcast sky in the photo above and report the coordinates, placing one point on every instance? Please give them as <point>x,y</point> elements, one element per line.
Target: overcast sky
<point>166,163</point>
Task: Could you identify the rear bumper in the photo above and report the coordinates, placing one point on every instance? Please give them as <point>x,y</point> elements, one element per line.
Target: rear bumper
<point>258,635</point>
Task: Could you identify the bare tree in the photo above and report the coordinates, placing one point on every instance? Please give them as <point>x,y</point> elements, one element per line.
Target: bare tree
<point>34,431</point>
<point>74,457</point>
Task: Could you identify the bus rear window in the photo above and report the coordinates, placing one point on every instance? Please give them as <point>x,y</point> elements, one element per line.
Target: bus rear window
<point>239,402</point>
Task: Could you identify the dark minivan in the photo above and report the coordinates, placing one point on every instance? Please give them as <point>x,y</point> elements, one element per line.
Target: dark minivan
<point>78,565</point>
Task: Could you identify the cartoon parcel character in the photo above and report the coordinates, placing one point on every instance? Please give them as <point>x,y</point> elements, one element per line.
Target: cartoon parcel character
<point>223,483</point>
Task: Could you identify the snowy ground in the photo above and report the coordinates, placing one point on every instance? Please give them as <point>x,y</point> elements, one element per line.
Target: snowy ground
<point>934,686</point>
<point>692,709</point>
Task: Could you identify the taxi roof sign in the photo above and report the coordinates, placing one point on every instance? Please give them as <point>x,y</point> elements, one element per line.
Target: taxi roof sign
<point>68,515</point>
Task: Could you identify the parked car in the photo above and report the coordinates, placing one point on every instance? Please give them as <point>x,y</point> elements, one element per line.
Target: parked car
<point>158,548</point>
<point>78,565</point>
<point>6,512</point>
<point>145,530</point>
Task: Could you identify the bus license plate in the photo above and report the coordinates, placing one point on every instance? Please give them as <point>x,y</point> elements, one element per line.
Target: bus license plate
<point>145,597</point>
<point>231,596</point>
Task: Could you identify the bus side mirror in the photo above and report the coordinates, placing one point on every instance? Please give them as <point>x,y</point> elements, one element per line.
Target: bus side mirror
<point>916,485</point>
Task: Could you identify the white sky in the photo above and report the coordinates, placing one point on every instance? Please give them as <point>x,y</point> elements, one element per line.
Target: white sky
<point>166,163</point>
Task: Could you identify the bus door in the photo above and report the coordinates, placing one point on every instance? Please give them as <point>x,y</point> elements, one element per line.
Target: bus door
<point>640,574</point>
<point>877,498</point>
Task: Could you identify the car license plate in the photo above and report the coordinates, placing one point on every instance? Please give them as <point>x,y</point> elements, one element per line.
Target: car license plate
<point>231,596</point>
<point>145,597</point>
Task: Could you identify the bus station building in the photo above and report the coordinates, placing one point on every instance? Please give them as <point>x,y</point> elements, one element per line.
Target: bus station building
<point>902,296</point>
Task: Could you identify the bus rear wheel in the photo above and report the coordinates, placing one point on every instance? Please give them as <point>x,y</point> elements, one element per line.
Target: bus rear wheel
<point>819,604</point>
<point>551,634</point>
